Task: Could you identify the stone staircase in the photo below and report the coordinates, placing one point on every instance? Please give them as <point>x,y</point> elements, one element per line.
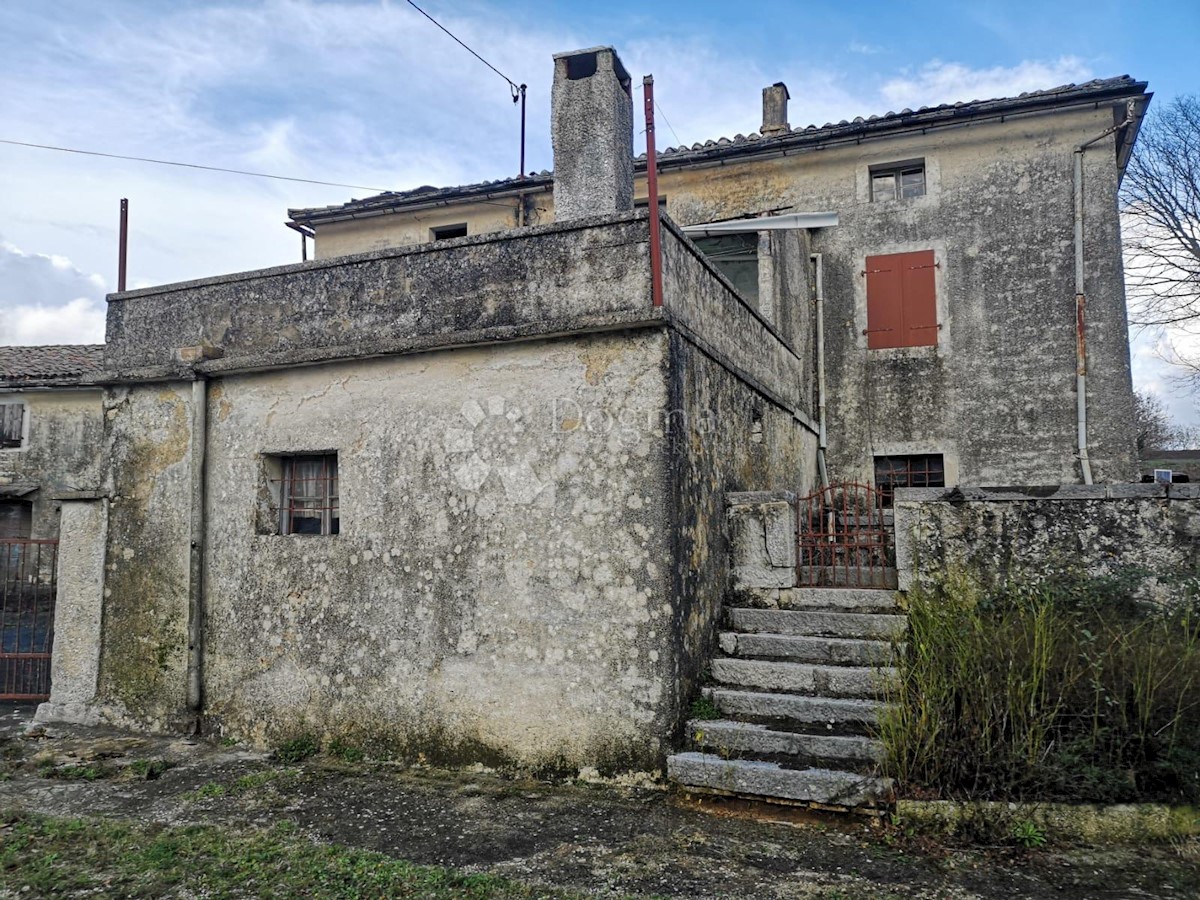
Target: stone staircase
<point>797,691</point>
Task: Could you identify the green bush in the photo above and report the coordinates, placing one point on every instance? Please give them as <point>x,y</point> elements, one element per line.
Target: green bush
<point>1067,690</point>
<point>297,749</point>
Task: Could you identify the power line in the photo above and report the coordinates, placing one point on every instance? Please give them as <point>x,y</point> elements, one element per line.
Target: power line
<point>678,142</point>
<point>512,84</point>
<point>166,162</point>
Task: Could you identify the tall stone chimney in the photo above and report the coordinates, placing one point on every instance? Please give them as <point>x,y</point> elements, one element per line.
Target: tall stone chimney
<point>775,100</point>
<point>591,123</point>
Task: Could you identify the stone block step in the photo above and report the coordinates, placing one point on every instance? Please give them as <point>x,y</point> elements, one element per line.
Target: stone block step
<point>830,714</point>
<point>804,648</point>
<point>839,599</point>
<point>843,625</point>
<point>768,781</point>
<point>847,576</point>
<point>726,737</point>
<point>801,678</point>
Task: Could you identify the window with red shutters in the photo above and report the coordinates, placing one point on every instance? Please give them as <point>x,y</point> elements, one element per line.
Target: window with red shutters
<point>901,300</point>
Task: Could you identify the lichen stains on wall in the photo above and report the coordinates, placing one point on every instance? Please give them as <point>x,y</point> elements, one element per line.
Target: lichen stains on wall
<point>499,587</point>
<point>743,442</point>
<point>144,654</point>
<point>1138,533</point>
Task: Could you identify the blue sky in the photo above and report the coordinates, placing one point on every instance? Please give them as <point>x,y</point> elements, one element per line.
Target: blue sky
<point>371,94</point>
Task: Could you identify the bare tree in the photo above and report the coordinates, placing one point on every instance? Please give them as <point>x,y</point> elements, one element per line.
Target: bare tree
<point>1161,219</point>
<point>1155,429</point>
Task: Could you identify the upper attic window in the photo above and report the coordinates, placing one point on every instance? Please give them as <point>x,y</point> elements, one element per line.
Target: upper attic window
<point>12,422</point>
<point>897,181</point>
<point>445,232</point>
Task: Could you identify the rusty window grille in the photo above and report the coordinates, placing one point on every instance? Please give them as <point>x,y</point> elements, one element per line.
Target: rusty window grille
<point>27,588</point>
<point>308,495</point>
<point>918,471</point>
<point>12,425</point>
<point>842,538</point>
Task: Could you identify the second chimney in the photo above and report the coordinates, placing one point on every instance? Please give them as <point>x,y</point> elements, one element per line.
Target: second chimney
<point>775,100</point>
<point>591,124</point>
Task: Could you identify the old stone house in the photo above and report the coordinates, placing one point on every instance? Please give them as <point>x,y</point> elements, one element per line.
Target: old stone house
<point>457,487</point>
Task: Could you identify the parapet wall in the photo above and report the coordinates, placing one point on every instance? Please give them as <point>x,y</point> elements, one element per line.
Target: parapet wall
<point>1148,532</point>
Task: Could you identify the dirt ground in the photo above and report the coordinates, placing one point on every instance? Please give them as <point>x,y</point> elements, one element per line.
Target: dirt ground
<point>599,839</point>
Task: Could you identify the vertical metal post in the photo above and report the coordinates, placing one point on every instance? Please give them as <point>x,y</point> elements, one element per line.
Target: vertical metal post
<point>303,247</point>
<point>656,289</point>
<point>123,244</point>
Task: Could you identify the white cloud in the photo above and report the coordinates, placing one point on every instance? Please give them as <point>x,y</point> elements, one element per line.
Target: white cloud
<point>46,300</point>
<point>864,48</point>
<point>949,82</point>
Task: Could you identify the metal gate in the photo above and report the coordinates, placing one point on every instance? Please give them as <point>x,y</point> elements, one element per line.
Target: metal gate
<point>27,585</point>
<point>843,538</point>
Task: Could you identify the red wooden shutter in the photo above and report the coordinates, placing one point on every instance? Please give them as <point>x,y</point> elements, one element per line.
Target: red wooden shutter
<point>901,300</point>
<point>885,302</point>
<point>920,299</point>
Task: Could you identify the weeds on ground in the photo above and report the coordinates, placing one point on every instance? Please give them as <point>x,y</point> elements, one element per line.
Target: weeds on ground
<point>297,749</point>
<point>1067,690</point>
<point>44,856</point>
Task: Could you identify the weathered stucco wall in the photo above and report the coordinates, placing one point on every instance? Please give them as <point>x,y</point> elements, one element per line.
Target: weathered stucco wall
<point>741,405</point>
<point>78,612</point>
<point>590,273</point>
<point>144,645</point>
<point>499,590</point>
<point>996,396</point>
<point>63,450</point>
<point>1148,532</point>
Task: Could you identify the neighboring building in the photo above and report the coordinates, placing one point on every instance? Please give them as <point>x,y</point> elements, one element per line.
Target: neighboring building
<point>463,495</point>
<point>51,434</point>
<point>1183,464</point>
<point>949,294</point>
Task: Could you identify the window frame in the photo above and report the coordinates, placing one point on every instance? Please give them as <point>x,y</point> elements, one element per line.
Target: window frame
<point>887,488</point>
<point>897,171</point>
<point>8,439</point>
<point>326,497</point>
<point>440,232</point>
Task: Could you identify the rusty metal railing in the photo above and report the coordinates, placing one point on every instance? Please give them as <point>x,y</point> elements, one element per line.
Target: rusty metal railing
<point>842,538</point>
<point>27,587</point>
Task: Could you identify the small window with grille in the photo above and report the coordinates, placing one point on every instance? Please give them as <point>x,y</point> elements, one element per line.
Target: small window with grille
<point>918,471</point>
<point>898,181</point>
<point>303,493</point>
<point>12,425</point>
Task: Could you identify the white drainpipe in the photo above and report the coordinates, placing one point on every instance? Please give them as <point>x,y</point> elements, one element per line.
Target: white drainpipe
<point>821,442</point>
<point>1085,462</point>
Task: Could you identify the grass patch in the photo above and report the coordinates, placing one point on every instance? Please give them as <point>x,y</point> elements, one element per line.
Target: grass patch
<point>344,751</point>
<point>1069,690</point>
<point>297,749</point>
<point>49,856</point>
<point>704,708</point>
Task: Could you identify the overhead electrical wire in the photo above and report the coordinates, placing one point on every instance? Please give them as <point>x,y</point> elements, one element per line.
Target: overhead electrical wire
<point>167,162</point>
<point>512,84</point>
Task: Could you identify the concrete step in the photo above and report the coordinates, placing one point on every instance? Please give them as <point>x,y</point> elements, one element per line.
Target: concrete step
<point>802,678</point>
<point>726,737</point>
<point>802,648</point>
<point>770,781</point>
<point>843,625</point>
<point>830,714</point>
<point>839,599</point>
<point>847,576</point>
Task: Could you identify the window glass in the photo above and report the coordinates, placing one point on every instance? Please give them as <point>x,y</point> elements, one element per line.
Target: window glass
<point>309,495</point>
<point>883,187</point>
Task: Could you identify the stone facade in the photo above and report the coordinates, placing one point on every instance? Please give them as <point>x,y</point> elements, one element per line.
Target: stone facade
<point>996,396</point>
<point>532,462</point>
<point>1148,533</point>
